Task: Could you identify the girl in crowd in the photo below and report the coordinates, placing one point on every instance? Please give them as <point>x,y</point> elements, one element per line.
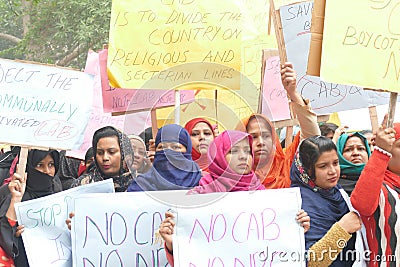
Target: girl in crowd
<point>202,134</point>
<point>330,240</point>
<point>231,160</point>
<point>376,197</point>
<point>353,151</point>
<point>113,156</point>
<point>271,163</point>
<point>173,167</point>
<point>140,161</point>
<point>41,169</point>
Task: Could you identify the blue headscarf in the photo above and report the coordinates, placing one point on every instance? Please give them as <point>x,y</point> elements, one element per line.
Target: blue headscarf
<point>324,206</point>
<point>171,170</point>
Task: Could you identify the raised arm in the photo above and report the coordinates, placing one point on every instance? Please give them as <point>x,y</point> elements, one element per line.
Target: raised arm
<point>301,107</point>
<point>365,197</point>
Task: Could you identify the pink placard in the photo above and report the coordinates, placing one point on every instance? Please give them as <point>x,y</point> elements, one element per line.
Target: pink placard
<point>120,100</point>
<point>275,102</point>
<point>99,118</point>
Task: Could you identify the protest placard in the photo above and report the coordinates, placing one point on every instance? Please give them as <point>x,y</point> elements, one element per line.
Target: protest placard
<point>122,100</point>
<point>121,232</point>
<point>46,237</point>
<point>359,50</point>
<point>325,97</point>
<point>39,106</point>
<point>172,33</point>
<point>241,229</point>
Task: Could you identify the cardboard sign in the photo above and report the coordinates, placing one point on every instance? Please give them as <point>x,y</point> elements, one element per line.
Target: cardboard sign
<point>43,106</point>
<point>362,48</point>
<point>47,239</point>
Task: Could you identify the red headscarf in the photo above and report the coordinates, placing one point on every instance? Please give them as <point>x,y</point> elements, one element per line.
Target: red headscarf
<point>201,160</point>
<point>221,177</point>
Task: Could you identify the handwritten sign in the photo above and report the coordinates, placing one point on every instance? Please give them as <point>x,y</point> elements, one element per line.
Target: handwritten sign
<point>46,237</point>
<point>325,97</point>
<point>362,47</point>
<point>98,118</point>
<point>42,105</point>
<point>117,99</point>
<point>275,101</point>
<point>170,33</point>
<point>121,230</point>
<point>241,229</point>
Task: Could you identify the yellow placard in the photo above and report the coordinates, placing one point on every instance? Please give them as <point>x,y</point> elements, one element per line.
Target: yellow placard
<point>361,43</point>
<point>149,37</point>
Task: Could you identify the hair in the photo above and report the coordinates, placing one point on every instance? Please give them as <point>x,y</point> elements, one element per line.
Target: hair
<point>363,132</point>
<point>260,119</point>
<point>107,131</point>
<point>311,149</point>
<point>89,154</point>
<point>146,135</point>
<point>327,128</point>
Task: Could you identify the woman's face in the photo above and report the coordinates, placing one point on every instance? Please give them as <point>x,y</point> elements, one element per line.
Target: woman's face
<point>108,155</point>
<point>171,145</point>
<point>239,158</point>
<point>262,141</point>
<point>327,170</point>
<point>201,137</point>
<point>355,151</point>
<point>46,165</point>
<point>139,151</point>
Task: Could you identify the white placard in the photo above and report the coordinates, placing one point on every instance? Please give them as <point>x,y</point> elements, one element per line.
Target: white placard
<point>43,106</point>
<point>46,238</point>
<point>241,229</point>
<point>325,97</point>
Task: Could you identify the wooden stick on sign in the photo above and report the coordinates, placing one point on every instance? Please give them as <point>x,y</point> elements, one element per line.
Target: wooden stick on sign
<point>373,116</point>
<point>23,156</point>
<point>282,57</point>
<point>392,109</point>
<point>154,126</point>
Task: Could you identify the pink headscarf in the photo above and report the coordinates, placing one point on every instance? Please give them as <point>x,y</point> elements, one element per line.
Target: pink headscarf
<point>221,177</point>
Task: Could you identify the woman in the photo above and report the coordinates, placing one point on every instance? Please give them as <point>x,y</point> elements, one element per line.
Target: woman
<point>202,134</point>
<point>231,160</point>
<point>173,167</point>
<point>316,171</point>
<point>271,162</point>
<point>41,168</point>
<point>113,159</point>
<point>140,161</point>
<point>354,152</point>
<point>376,197</point>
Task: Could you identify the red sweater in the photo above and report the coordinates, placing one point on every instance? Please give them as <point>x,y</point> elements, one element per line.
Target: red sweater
<point>375,197</point>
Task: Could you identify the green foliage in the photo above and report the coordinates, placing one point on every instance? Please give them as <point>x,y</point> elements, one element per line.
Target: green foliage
<point>56,28</point>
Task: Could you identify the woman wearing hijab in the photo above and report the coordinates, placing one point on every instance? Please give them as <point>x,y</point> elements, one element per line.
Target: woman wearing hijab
<point>376,197</point>
<point>141,163</point>
<point>354,152</point>
<point>202,134</point>
<point>173,167</point>
<point>41,168</point>
<point>113,156</point>
<point>271,162</point>
<point>231,161</point>
<point>331,237</point>
<point>230,170</point>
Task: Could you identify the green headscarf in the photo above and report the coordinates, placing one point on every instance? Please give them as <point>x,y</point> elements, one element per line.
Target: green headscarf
<point>346,167</point>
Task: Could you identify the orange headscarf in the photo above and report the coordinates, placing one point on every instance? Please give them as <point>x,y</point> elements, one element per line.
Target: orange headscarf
<point>276,174</point>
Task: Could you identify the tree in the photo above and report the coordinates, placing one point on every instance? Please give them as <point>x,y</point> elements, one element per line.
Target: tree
<point>56,32</point>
